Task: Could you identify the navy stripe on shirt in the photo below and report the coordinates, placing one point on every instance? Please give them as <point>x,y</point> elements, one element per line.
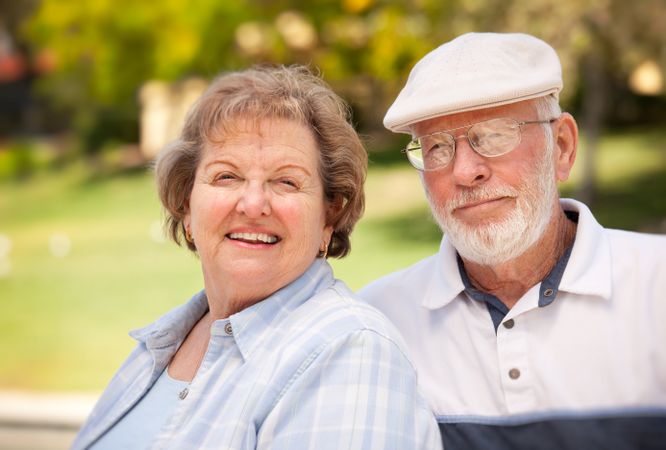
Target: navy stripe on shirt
<point>628,432</point>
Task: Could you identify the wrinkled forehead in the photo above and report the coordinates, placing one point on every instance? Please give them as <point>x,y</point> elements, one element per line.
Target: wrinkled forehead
<point>525,110</point>
<point>243,124</point>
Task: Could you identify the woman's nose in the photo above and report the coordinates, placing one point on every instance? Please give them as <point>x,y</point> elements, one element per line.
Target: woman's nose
<point>254,200</point>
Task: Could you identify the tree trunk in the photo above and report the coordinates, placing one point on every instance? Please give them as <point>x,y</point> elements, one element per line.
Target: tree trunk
<point>593,109</point>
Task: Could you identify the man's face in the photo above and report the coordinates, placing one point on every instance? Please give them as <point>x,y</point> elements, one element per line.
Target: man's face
<point>493,209</point>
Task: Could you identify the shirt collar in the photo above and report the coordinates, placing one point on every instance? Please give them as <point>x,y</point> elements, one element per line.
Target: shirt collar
<point>260,321</point>
<point>588,269</point>
<point>174,325</point>
<point>163,337</point>
<point>444,283</point>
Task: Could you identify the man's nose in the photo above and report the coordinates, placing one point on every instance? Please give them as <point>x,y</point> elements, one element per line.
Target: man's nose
<point>468,167</point>
<point>254,200</point>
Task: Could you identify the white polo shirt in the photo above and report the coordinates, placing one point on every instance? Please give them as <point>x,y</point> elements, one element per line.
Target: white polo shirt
<point>588,365</point>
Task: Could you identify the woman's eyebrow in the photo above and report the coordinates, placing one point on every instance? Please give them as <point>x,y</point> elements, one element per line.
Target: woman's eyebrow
<point>293,167</point>
<point>219,161</point>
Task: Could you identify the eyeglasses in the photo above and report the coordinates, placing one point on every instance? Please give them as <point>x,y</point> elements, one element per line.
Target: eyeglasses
<point>490,138</point>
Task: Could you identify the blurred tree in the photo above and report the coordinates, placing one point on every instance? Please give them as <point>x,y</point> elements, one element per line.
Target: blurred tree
<point>17,68</point>
<point>106,49</point>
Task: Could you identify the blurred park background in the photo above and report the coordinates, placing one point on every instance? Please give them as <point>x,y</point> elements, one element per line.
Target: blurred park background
<point>90,90</point>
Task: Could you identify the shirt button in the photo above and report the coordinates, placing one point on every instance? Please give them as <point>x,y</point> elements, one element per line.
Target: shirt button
<point>548,292</point>
<point>509,324</point>
<point>514,374</point>
<point>228,329</point>
<point>183,393</point>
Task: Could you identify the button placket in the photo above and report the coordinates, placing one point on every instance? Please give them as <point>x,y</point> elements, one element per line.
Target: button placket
<point>219,351</point>
<point>512,351</point>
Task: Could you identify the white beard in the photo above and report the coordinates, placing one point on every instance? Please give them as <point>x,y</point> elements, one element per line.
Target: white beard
<point>496,242</point>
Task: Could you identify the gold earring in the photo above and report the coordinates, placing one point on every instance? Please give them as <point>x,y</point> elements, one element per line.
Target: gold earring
<point>323,253</point>
<point>188,236</point>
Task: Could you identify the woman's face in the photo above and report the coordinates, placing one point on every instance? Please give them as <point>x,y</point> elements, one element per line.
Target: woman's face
<point>257,213</point>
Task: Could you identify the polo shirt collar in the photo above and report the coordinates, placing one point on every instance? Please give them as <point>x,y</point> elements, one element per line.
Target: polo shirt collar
<point>444,283</point>
<point>589,271</point>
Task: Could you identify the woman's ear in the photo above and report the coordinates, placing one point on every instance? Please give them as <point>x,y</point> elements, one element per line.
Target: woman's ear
<point>187,218</point>
<point>333,209</point>
<point>566,145</point>
<point>187,221</point>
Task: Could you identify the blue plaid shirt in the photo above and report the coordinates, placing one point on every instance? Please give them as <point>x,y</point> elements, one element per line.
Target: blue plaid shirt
<point>310,367</point>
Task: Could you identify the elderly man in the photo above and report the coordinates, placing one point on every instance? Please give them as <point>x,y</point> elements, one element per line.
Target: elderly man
<point>533,326</point>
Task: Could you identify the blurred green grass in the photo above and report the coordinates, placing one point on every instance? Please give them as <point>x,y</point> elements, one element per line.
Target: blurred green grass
<point>64,318</point>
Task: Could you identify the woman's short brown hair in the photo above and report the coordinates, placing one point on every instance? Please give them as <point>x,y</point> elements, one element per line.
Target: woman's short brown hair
<point>260,93</point>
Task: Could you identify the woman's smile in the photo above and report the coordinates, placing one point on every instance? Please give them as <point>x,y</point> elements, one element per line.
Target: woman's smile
<point>253,237</point>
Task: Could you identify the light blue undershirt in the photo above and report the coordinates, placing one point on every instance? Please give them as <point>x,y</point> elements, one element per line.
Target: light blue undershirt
<point>138,428</point>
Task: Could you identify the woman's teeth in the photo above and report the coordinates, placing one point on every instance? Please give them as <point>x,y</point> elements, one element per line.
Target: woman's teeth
<point>254,237</point>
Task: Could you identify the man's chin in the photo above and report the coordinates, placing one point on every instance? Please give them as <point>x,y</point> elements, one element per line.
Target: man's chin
<point>487,254</point>
<point>484,229</point>
<point>487,243</point>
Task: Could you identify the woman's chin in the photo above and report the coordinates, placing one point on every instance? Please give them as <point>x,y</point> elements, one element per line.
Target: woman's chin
<point>254,273</point>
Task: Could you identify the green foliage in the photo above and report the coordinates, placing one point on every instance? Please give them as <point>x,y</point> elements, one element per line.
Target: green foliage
<point>110,47</point>
<point>21,158</point>
<point>105,49</point>
<point>16,161</point>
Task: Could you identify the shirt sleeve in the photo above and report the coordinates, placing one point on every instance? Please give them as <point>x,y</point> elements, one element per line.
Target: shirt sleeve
<point>358,392</point>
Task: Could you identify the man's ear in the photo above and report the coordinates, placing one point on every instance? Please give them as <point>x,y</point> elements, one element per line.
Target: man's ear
<point>566,145</point>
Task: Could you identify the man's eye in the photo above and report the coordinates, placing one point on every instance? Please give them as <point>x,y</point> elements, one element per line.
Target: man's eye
<point>491,136</point>
<point>437,148</point>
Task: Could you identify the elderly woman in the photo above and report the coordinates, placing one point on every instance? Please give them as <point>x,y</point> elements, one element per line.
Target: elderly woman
<point>263,185</point>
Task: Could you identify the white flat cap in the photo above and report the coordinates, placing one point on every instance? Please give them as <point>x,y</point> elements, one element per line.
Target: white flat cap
<point>476,71</point>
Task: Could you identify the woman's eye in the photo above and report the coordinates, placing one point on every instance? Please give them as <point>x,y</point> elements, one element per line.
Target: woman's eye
<point>225,177</point>
<point>288,183</point>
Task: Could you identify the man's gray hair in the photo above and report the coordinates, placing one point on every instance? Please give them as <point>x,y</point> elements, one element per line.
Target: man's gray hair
<point>547,108</point>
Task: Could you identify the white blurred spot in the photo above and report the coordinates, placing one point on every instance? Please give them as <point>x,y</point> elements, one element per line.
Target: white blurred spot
<point>253,38</point>
<point>5,246</point>
<point>296,30</point>
<point>5,267</point>
<point>60,244</point>
<point>646,79</point>
<point>156,232</point>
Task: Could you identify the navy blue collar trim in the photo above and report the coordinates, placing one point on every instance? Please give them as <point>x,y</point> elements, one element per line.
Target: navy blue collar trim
<point>547,291</point>
<point>496,308</point>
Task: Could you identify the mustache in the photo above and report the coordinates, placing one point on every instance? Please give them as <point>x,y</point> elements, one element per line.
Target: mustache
<point>480,194</point>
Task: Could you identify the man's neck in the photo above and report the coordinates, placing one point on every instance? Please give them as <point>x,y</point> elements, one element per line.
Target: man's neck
<point>510,280</point>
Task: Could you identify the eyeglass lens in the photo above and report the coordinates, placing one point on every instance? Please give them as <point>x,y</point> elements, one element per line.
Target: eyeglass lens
<point>490,138</point>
